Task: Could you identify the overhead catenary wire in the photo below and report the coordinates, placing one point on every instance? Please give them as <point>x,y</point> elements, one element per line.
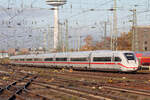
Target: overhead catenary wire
<point>84,10</point>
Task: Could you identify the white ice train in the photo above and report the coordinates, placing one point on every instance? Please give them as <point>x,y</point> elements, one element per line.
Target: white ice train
<point>123,61</point>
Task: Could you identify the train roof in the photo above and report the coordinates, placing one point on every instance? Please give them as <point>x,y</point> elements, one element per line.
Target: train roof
<point>146,54</point>
<point>143,54</point>
<point>18,56</point>
<point>65,54</point>
<point>45,55</point>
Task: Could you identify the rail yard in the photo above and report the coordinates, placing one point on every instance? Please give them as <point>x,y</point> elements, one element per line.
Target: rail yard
<point>74,50</point>
<point>30,83</point>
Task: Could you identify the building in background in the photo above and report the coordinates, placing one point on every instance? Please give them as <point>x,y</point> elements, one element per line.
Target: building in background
<point>39,50</point>
<point>143,33</point>
<point>12,51</point>
<point>24,51</point>
<point>3,54</point>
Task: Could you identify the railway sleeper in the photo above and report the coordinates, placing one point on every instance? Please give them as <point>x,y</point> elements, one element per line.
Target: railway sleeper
<point>97,93</point>
<point>37,95</point>
<point>14,83</point>
<point>18,92</point>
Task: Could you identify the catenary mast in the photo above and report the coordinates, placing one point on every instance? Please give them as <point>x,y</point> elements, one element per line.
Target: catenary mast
<point>115,30</point>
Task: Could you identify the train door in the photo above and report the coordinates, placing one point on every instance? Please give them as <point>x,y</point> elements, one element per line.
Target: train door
<point>113,65</point>
<point>89,60</point>
<point>115,60</point>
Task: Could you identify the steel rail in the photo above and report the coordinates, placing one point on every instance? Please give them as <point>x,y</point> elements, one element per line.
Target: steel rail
<point>19,91</point>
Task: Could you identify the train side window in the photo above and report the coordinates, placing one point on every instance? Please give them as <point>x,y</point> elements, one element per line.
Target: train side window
<point>29,59</point>
<point>48,59</point>
<point>21,59</point>
<point>102,59</point>
<point>37,59</point>
<point>79,59</point>
<point>16,60</point>
<point>61,59</point>
<point>117,59</point>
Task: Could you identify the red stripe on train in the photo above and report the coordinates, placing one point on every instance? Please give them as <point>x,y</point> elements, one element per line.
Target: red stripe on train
<point>73,63</point>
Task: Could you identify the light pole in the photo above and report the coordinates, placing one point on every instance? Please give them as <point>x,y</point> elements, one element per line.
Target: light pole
<point>56,4</point>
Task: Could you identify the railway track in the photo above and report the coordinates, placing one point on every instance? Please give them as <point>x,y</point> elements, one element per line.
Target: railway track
<point>58,85</point>
<point>123,82</point>
<point>82,93</point>
<point>102,90</point>
<point>13,90</point>
<point>97,74</point>
<point>17,90</point>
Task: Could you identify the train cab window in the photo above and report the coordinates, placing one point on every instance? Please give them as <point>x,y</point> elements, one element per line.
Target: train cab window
<point>29,59</point>
<point>129,56</point>
<point>117,59</point>
<point>48,59</point>
<point>102,59</point>
<point>37,59</point>
<point>79,59</point>
<point>61,59</point>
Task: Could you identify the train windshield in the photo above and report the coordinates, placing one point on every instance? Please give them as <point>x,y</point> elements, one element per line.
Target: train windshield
<point>129,56</point>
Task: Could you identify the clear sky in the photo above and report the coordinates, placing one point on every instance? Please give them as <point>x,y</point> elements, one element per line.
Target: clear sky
<point>32,17</point>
